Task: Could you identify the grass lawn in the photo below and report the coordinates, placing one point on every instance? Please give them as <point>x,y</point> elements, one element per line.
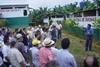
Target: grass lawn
<point>78,50</point>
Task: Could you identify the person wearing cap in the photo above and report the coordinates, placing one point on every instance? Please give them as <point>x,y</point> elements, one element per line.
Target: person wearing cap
<point>19,44</point>
<point>45,54</point>
<point>64,57</point>
<point>21,47</point>
<point>34,51</point>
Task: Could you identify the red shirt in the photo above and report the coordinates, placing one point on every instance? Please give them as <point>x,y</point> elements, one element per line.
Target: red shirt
<point>45,55</point>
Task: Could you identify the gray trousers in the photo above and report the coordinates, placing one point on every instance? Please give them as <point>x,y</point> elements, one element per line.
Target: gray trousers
<point>88,45</point>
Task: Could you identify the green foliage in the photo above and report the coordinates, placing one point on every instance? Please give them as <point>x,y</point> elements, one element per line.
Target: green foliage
<point>3,22</point>
<point>97,3</point>
<point>96,24</point>
<point>50,22</point>
<point>72,7</point>
<point>39,14</point>
<point>89,5</point>
<point>70,22</point>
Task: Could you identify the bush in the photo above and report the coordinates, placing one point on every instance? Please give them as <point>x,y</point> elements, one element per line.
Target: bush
<point>70,22</point>
<point>50,22</point>
<point>96,24</point>
<point>3,22</point>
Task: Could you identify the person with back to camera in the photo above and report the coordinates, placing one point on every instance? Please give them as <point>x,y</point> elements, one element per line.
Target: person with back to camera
<point>15,56</point>
<point>34,52</point>
<point>52,64</point>
<point>64,57</point>
<point>45,54</point>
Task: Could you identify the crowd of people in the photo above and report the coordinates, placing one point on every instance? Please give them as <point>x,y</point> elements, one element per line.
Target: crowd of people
<point>35,47</point>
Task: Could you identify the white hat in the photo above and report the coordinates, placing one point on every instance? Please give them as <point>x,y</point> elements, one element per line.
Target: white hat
<point>48,42</point>
<point>18,35</point>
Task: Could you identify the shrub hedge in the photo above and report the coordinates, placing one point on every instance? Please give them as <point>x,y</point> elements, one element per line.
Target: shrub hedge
<point>3,22</point>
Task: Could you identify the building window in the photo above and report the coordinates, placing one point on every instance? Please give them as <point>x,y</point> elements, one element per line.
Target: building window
<point>25,12</point>
<point>77,14</point>
<point>19,7</point>
<point>90,13</point>
<point>6,8</point>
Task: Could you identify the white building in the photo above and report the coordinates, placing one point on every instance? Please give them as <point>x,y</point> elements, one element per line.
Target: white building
<point>54,19</point>
<point>85,17</point>
<point>15,11</point>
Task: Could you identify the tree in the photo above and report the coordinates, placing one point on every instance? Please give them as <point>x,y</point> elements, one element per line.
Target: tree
<point>39,14</point>
<point>89,5</point>
<point>97,3</point>
<point>96,24</point>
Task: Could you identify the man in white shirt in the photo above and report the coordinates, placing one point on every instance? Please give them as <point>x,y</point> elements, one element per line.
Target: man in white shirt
<point>15,56</point>
<point>5,50</point>
<point>64,57</point>
<point>59,27</point>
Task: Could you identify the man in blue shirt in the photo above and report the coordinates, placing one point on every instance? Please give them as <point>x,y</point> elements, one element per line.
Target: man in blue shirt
<point>89,38</point>
<point>64,57</point>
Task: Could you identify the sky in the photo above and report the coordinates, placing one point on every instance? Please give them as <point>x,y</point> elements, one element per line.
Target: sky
<point>50,3</point>
<point>39,3</point>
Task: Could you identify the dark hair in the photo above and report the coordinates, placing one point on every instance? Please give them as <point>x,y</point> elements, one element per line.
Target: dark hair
<point>95,63</point>
<point>52,64</point>
<point>16,30</point>
<point>12,44</point>
<point>6,38</point>
<point>89,25</point>
<point>65,43</point>
<point>38,35</point>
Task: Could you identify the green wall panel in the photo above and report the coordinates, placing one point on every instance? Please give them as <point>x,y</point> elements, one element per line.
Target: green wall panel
<point>18,22</point>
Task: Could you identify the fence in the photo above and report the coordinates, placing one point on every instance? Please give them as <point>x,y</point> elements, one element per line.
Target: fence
<point>80,32</point>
